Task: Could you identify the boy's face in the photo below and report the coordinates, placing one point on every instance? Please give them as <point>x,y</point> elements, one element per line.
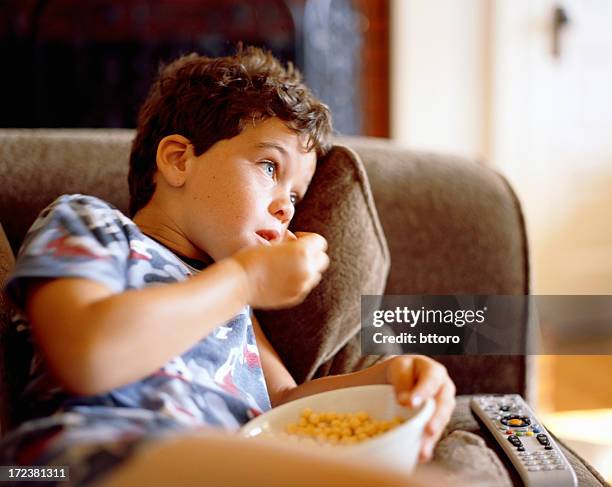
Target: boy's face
<point>241,192</point>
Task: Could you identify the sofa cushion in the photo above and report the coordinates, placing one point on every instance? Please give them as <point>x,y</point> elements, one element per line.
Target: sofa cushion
<point>322,332</point>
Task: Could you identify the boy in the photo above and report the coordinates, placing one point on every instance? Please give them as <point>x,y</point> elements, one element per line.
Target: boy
<point>126,314</point>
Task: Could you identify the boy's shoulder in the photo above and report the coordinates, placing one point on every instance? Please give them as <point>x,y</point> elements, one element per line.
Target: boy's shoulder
<point>84,236</point>
<point>90,209</point>
<point>78,220</point>
<point>79,226</point>
<point>83,202</point>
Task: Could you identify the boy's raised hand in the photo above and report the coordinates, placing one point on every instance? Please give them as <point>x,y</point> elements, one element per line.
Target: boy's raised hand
<point>289,236</point>
<point>283,274</point>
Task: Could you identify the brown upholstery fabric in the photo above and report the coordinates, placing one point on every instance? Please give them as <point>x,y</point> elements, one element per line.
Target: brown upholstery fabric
<point>339,206</point>
<point>37,166</point>
<point>453,227</point>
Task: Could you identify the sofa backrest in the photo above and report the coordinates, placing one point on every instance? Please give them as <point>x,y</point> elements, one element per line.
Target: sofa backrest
<point>54,162</point>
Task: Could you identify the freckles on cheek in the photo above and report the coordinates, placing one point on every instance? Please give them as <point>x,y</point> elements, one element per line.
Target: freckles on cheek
<point>205,197</point>
<point>238,212</point>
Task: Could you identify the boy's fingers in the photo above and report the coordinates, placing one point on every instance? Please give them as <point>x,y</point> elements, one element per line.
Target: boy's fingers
<point>323,262</point>
<point>318,241</point>
<point>400,374</point>
<point>445,401</point>
<point>426,452</point>
<point>430,376</point>
<point>445,404</point>
<point>289,235</point>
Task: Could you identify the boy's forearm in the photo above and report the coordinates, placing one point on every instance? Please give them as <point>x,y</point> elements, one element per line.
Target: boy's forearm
<point>136,332</point>
<point>372,375</point>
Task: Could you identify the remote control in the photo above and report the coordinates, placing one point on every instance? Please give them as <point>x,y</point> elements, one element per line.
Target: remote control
<point>534,454</point>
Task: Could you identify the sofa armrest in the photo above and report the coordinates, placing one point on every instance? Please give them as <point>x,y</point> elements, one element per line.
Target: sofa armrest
<point>453,226</point>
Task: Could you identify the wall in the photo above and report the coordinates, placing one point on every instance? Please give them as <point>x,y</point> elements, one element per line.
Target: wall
<point>439,75</point>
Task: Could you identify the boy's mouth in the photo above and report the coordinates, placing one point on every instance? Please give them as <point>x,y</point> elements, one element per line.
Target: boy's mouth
<point>268,235</point>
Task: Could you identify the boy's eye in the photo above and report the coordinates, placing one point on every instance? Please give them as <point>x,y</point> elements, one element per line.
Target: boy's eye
<point>269,168</point>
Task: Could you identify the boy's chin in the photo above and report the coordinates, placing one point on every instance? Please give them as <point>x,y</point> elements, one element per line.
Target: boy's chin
<point>234,247</point>
<point>251,240</point>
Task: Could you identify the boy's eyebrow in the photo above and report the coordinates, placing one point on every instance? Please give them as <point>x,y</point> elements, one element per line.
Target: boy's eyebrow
<point>272,145</point>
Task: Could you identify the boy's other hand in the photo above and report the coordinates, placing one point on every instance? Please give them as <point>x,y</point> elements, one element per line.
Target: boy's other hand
<point>283,274</point>
<point>416,378</point>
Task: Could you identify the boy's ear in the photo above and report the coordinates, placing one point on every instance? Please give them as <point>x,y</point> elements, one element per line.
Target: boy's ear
<point>173,153</point>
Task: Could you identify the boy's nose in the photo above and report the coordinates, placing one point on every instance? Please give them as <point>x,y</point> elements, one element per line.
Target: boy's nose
<point>282,209</point>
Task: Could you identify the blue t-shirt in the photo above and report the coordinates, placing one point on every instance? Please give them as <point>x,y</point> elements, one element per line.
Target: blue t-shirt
<point>217,382</point>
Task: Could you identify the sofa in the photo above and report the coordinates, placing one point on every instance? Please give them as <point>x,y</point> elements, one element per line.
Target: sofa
<point>450,226</point>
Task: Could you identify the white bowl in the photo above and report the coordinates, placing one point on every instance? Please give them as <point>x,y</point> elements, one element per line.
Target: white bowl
<point>397,448</point>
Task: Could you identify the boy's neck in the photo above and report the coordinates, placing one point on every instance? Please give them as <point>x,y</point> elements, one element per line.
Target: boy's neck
<point>198,264</point>
<point>169,238</point>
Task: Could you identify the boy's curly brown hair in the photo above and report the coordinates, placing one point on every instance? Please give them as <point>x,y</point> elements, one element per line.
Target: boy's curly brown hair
<point>210,99</point>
